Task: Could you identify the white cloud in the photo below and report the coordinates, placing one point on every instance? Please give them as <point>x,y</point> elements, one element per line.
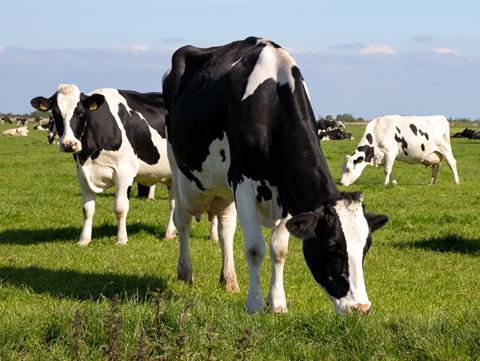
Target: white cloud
<point>132,48</point>
<point>446,51</point>
<point>377,49</point>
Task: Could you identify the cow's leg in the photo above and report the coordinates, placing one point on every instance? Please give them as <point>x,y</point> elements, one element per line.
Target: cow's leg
<point>389,160</point>
<point>452,163</point>
<point>151,193</point>
<point>214,229</point>
<point>227,221</point>
<point>88,198</point>
<point>183,222</point>
<point>254,243</point>
<point>435,168</point>
<point>278,253</point>
<point>171,232</point>
<point>121,208</point>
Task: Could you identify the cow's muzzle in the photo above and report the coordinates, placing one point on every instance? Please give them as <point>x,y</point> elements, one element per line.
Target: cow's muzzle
<point>70,146</point>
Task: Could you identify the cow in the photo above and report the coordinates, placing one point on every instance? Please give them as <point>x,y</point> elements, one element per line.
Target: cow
<point>6,120</point>
<point>242,137</point>
<point>335,134</point>
<point>21,131</point>
<point>22,121</point>
<point>411,139</point>
<point>468,133</point>
<point>116,137</point>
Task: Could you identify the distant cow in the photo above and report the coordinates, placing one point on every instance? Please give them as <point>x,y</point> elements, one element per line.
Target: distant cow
<point>21,131</point>
<point>242,137</point>
<point>411,139</point>
<point>336,134</point>
<point>5,120</point>
<point>468,133</point>
<point>22,121</point>
<point>115,136</point>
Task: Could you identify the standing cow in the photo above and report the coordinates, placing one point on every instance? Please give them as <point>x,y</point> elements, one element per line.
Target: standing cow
<point>115,136</point>
<point>411,139</point>
<point>242,133</point>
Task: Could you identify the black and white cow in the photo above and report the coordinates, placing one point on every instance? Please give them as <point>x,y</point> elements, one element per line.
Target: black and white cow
<point>115,136</point>
<point>411,139</point>
<point>242,133</point>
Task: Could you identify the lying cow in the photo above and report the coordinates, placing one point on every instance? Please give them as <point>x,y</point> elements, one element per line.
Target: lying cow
<point>21,131</point>
<point>411,139</point>
<point>468,133</point>
<point>242,133</point>
<point>336,134</point>
<point>115,136</point>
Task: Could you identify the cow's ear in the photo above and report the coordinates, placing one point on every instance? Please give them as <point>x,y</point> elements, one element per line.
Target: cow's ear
<point>93,102</point>
<point>376,221</point>
<point>41,103</point>
<point>303,225</point>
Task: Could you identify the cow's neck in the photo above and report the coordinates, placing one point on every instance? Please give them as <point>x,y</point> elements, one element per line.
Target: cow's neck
<point>305,182</point>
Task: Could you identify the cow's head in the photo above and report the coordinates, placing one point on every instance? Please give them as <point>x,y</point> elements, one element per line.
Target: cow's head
<point>336,238</point>
<point>352,168</point>
<point>69,109</point>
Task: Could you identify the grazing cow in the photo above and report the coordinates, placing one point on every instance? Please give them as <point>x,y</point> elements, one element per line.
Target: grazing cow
<point>21,131</point>
<point>411,139</point>
<point>115,136</point>
<point>241,132</point>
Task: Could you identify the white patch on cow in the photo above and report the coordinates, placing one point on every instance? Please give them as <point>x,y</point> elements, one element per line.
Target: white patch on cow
<point>355,229</point>
<point>273,63</point>
<point>306,89</point>
<point>68,97</point>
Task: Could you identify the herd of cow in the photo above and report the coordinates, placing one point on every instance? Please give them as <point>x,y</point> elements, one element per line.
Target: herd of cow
<point>234,135</point>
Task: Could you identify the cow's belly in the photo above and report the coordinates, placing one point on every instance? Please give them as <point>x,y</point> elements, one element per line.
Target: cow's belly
<point>198,192</point>
<point>150,174</point>
<point>428,154</point>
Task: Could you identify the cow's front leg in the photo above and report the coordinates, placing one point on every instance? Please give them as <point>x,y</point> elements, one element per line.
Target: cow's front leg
<point>254,243</point>
<point>171,232</point>
<point>389,160</point>
<point>227,221</point>
<point>214,229</point>
<point>121,208</point>
<point>88,198</point>
<point>278,253</point>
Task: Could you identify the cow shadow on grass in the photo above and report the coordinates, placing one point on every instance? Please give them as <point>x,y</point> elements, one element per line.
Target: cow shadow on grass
<point>65,234</point>
<point>83,286</point>
<point>451,243</point>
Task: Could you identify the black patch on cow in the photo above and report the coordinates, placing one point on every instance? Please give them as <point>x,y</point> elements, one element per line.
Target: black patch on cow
<point>425,134</point>
<point>368,150</point>
<point>358,160</point>
<point>369,138</point>
<point>423,147</point>
<point>150,105</point>
<point>413,128</point>
<point>398,130</point>
<point>222,154</point>
<point>263,192</point>
<point>138,135</point>
<point>403,143</point>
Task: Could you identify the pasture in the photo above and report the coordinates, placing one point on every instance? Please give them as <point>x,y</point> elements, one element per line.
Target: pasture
<point>422,273</point>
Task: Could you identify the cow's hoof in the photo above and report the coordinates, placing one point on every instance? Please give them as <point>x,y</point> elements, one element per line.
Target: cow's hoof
<point>185,276</point>
<point>255,307</point>
<point>122,242</point>
<point>170,235</point>
<point>230,284</point>
<point>394,182</point>
<point>83,242</point>
<point>279,309</point>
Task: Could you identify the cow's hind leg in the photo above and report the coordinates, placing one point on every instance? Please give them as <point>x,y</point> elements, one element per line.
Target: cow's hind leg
<point>278,253</point>
<point>214,229</point>
<point>121,208</point>
<point>254,243</point>
<point>183,222</point>
<point>88,198</point>
<point>227,221</point>
<point>435,168</point>
<point>389,160</point>
<point>171,232</point>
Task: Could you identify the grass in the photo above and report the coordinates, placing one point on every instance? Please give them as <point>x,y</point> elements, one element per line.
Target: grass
<point>57,300</point>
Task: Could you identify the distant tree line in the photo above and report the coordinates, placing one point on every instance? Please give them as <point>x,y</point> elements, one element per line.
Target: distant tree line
<point>344,118</point>
<point>34,114</point>
<point>463,120</point>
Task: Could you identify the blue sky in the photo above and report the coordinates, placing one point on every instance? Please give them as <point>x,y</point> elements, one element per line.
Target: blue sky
<point>362,57</point>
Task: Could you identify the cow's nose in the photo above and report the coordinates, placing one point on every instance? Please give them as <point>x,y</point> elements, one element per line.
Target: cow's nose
<point>364,308</point>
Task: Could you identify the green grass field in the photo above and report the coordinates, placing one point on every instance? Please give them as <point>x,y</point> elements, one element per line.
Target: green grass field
<point>422,273</point>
